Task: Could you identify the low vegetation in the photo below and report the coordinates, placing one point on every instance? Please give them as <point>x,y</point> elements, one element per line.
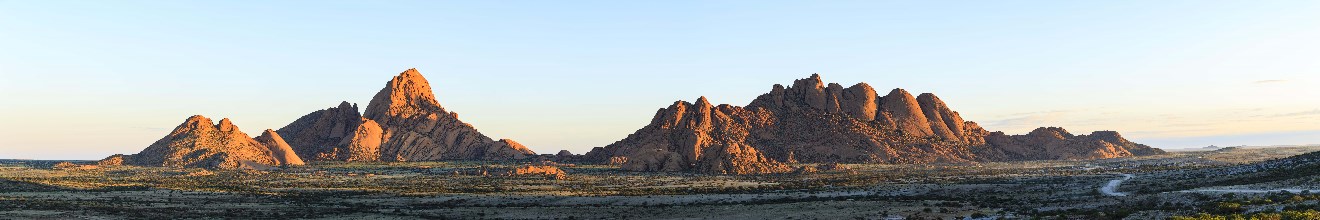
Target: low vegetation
<point>1164,187</point>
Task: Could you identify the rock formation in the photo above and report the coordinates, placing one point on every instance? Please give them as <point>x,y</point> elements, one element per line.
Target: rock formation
<point>403,122</point>
<point>278,148</point>
<point>335,134</point>
<point>1053,143</point>
<point>200,143</point>
<point>416,128</point>
<point>549,172</point>
<point>814,122</point>
<point>696,136</point>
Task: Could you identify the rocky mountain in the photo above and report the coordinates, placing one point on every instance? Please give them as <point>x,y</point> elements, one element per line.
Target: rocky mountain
<point>403,122</point>
<point>814,122</point>
<point>200,143</point>
<point>335,134</point>
<point>416,128</point>
<point>696,136</point>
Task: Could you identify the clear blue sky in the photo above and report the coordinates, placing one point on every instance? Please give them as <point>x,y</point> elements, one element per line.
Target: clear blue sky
<point>86,79</point>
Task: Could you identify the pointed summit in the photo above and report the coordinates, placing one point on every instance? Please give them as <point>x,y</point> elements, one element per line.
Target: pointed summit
<point>405,95</point>
<point>194,123</point>
<point>702,102</point>
<point>412,72</point>
<point>415,128</point>
<point>226,125</point>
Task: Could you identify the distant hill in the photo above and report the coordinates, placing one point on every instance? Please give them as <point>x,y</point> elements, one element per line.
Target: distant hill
<point>1303,167</point>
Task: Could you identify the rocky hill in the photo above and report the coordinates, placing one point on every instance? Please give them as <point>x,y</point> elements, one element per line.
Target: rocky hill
<point>403,122</point>
<point>200,143</point>
<point>417,128</point>
<point>335,134</point>
<point>814,122</point>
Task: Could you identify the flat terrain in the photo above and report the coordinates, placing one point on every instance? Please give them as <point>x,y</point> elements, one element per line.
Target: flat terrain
<point>1180,183</point>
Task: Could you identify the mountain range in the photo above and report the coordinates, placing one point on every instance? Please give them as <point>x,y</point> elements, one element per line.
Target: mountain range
<point>814,122</point>
<point>807,122</point>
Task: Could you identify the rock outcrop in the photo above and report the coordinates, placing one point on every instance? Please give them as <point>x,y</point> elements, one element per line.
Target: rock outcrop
<point>696,136</point>
<point>280,149</point>
<point>1053,143</point>
<point>200,143</point>
<point>549,172</point>
<point>416,128</point>
<point>906,113</point>
<point>334,134</point>
<point>815,122</point>
<point>403,122</point>
<point>363,144</point>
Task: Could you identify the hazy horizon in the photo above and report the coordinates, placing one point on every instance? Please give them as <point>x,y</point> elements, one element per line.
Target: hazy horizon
<point>93,79</point>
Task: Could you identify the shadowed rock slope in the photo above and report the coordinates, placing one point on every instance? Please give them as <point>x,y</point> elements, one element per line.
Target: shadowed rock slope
<point>403,122</point>
<point>335,134</point>
<point>814,122</point>
<point>200,143</point>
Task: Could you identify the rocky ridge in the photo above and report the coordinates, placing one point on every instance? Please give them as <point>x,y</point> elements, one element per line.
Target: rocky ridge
<point>814,122</point>
<point>416,128</point>
<point>403,122</point>
<point>200,143</point>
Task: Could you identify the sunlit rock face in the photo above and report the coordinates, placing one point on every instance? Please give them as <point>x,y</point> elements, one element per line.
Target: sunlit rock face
<point>815,122</point>
<point>199,143</point>
<point>403,122</point>
<point>415,126</point>
<point>280,149</point>
<point>697,137</point>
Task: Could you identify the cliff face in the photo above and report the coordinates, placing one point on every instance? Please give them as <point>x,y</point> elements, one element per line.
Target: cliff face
<point>814,122</point>
<point>200,143</point>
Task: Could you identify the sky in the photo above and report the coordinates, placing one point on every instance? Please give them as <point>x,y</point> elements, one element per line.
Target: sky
<point>87,79</point>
